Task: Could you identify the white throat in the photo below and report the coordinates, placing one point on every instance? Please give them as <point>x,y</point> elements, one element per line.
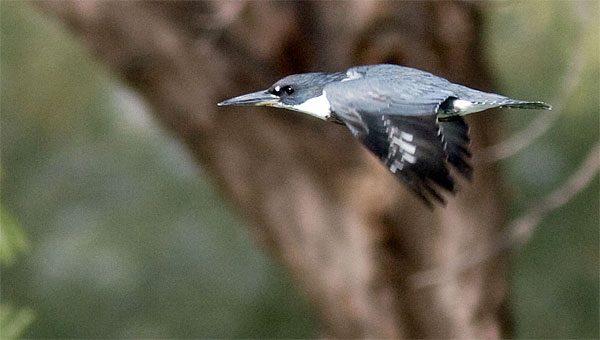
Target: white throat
<point>318,107</point>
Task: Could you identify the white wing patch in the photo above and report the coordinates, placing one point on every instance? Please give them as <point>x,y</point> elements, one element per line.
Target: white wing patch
<point>400,141</point>
<point>462,105</point>
<point>465,107</point>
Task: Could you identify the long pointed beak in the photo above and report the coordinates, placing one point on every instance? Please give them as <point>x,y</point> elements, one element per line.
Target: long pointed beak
<point>260,98</point>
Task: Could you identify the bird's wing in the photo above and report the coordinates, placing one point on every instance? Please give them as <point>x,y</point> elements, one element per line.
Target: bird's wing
<point>403,131</point>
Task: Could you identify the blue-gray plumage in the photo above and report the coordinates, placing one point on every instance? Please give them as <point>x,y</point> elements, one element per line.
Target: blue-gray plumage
<point>411,119</point>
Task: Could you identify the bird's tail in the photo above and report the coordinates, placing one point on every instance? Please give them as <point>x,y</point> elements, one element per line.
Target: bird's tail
<point>521,104</point>
<point>453,107</point>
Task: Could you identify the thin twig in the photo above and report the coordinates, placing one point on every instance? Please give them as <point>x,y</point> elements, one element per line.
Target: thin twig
<point>520,229</point>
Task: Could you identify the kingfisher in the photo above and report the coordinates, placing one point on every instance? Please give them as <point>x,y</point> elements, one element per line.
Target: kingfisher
<point>410,119</point>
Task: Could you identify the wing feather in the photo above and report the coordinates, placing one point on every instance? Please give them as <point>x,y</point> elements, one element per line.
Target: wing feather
<point>456,143</point>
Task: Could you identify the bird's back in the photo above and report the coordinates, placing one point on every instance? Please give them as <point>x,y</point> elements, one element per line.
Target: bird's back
<point>404,78</point>
<point>413,92</point>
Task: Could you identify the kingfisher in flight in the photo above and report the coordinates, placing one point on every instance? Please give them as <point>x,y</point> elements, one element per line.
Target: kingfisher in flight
<point>410,119</point>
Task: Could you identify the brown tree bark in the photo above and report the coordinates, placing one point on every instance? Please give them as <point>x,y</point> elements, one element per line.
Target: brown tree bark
<point>349,233</point>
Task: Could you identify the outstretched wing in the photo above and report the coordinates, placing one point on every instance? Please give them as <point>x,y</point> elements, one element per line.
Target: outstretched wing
<point>403,131</point>
<point>418,149</point>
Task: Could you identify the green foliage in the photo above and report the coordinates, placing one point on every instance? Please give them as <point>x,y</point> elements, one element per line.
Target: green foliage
<point>12,239</point>
<point>13,321</point>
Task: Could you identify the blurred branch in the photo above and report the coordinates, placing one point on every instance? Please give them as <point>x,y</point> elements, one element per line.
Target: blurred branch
<point>519,231</point>
<point>545,120</point>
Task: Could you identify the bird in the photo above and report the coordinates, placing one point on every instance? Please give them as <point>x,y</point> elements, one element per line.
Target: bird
<point>410,119</point>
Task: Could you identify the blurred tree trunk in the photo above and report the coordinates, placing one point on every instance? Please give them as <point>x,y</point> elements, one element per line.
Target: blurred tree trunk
<point>353,238</point>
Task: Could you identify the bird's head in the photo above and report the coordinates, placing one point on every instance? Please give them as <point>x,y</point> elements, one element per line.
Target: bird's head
<point>298,92</point>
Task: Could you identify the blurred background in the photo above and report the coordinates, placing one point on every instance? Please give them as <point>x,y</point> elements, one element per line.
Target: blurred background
<point>109,229</point>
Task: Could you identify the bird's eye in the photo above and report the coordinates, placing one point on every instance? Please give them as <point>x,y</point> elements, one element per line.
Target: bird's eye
<point>288,90</point>
<point>279,90</point>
